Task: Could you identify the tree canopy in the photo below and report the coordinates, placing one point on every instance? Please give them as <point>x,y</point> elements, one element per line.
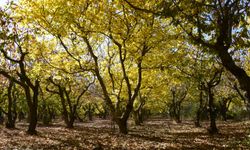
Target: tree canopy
<point>124,59</point>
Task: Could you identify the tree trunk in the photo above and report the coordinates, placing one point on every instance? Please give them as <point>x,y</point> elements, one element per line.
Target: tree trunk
<point>33,115</point>
<point>33,120</point>
<point>46,117</point>
<point>71,121</point>
<point>65,112</point>
<point>21,116</point>
<point>90,113</point>
<point>10,122</point>
<point>68,118</point>
<point>14,109</point>
<point>32,104</point>
<point>238,72</point>
<point>141,116</point>
<point>212,113</point>
<point>224,115</point>
<point>70,124</point>
<point>1,116</point>
<point>175,112</point>
<point>65,117</point>
<point>223,110</point>
<point>122,124</point>
<point>199,111</point>
<point>52,113</point>
<point>197,119</point>
<point>178,112</point>
<point>177,119</point>
<point>136,117</point>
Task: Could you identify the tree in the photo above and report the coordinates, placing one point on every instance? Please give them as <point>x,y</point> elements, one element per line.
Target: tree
<point>221,26</point>
<point>179,94</point>
<point>203,70</point>
<point>214,81</point>
<point>120,44</point>
<point>138,111</point>
<point>12,100</point>
<point>14,50</point>
<point>227,95</point>
<point>70,94</point>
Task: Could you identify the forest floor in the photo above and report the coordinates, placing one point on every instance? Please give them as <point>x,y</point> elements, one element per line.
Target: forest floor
<point>153,134</point>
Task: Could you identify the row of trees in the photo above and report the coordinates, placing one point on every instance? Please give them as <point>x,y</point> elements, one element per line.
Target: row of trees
<point>131,55</point>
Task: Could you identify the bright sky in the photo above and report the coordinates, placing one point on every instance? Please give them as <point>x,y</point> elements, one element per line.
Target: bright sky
<point>3,2</point>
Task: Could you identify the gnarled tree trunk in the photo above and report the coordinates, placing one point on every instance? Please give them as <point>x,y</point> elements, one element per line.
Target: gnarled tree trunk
<point>32,100</point>
<point>212,112</point>
<point>11,115</point>
<point>199,111</point>
<point>123,126</point>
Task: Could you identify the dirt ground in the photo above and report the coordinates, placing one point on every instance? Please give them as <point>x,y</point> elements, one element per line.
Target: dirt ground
<point>153,134</point>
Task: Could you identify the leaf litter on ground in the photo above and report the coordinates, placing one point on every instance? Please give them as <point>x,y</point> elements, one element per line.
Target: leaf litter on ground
<point>153,134</point>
